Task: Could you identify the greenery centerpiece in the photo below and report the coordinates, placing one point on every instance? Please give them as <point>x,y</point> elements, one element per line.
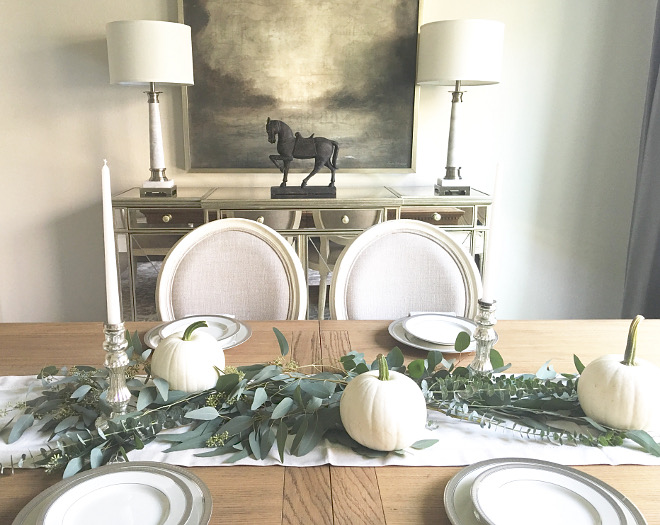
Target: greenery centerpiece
<point>293,407</point>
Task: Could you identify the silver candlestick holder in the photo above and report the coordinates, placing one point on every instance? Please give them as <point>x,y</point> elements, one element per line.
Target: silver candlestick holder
<point>485,336</point>
<point>116,361</point>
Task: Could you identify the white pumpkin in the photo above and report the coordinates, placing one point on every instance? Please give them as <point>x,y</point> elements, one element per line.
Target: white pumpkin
<point>618,393</point>
<point>383,409</point>
<point>188,361</point>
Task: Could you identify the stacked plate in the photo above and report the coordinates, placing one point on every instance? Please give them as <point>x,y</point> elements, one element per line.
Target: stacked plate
<point>228,331</point>
<point>514,491</point>
<point>134,492</point>
<point>432,331</point>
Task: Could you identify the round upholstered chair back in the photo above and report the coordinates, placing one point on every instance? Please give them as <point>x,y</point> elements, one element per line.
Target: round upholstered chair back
<point>403,266</point>
<point>232,267</point>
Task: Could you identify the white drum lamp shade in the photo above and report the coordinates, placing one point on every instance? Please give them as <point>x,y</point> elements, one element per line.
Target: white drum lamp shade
<point>466,50</point>
<point>146,51</point>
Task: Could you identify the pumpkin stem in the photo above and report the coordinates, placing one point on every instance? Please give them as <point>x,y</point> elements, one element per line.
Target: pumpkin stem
<point>383,369</point>
<point>631,346</point>
<point>191,328</point>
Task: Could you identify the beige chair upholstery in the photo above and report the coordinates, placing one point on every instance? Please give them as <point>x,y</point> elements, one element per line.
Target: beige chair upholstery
<point>403,266</point>
<point>324,251</point>
<point>234,267</point>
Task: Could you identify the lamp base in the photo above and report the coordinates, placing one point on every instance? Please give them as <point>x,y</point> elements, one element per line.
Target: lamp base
<point>165,188</point>
<point>451,187</point>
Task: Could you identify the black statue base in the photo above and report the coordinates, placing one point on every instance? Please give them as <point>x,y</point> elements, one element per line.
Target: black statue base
<point>308,192</point>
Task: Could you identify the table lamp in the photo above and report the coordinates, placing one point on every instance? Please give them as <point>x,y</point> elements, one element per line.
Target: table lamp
<point>458,53</point>
<point>147,52</point>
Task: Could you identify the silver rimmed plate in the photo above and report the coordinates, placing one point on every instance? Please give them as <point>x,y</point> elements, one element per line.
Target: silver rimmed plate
<point>399,333</point>
<point>243,332</point>
<point>222,327</point>
<point>461,509</point>
<point>142,495</point>
<point>439,329</point>
<point>146,502</point>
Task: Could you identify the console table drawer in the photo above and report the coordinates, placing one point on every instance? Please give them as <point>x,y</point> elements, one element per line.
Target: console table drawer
<point>165,218</point>
<point>442,216</point>
<point>276,219</point>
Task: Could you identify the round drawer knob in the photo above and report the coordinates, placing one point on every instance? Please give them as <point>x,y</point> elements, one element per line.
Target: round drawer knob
<point>167,218</point>
<point>437,216</point>
<point>260,219</point>
<point>345,219</point>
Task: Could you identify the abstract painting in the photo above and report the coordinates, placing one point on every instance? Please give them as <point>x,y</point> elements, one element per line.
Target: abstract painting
<point>341,69</point>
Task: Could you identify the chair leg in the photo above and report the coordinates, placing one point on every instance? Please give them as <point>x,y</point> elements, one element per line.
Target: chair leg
<point>323,287</point>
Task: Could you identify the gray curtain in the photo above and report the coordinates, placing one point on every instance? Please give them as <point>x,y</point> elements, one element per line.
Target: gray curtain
<point>642,282</point>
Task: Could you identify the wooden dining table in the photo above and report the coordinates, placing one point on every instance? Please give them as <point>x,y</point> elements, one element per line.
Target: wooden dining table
<point>330,494</point>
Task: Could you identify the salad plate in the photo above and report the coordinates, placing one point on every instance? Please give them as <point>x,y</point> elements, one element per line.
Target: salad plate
<point>439,329</point>
<point>469,495</point>
<point>151,491</point>
<point>398,332</point>
<point>229,332</point>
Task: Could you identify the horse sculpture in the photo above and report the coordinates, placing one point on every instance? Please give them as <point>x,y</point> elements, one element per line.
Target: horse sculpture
<point>323,151</point>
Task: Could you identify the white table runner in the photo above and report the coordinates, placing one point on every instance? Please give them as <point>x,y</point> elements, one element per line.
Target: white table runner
<point>459,444</point>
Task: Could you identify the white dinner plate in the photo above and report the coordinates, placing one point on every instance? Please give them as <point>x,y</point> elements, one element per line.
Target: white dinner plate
<point>439,329</point>
<point>140,495</point>
<point>222,327</point>
<point>198,502</point>
<point>461,509</point>
<point>152,337</point>
<point>399,333</point>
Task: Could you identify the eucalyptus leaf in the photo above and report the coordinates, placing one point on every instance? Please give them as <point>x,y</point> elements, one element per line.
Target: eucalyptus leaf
<point>66,423</point>
<point>416,368</point>
<point>423,443</point>
<point>96,456</point>
<point>282,434</point>
<point>496,360</point>
<point>73,467</point>
<point>237,425</point>
<point>255,446</point>
<point>395,358</point>
<point>260,397</point>
<point>546,371</point>
<point>162,386</point>
<point>146,396</point>
<point>81,391</point>
<point>24,422</point>
<point>463,341</point>
<point>267,439</point>
<point>281,340</point>
<point>578,364</point>
<point>282,408</point>
<point>204,413</point>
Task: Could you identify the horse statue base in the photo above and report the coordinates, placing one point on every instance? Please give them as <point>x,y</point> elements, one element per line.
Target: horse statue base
<point>306,192</point>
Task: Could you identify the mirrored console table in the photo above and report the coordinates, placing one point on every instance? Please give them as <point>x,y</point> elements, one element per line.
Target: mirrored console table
<point>147,227</point>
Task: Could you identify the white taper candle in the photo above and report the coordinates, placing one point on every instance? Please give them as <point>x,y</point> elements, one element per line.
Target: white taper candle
<point>111,280</point>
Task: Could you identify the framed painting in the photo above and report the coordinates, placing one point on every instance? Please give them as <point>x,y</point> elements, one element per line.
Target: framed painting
<point>339,69</point>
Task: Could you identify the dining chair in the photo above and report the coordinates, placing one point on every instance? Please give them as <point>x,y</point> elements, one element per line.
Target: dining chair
<point>234,267</point>
<point>323,251</point>
<point>403,266</point>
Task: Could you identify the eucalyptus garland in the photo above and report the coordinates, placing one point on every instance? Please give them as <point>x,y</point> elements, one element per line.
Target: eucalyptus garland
<point>293,407</point>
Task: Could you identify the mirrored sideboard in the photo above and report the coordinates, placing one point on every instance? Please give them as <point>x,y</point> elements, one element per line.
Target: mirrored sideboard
<point>319,229</point>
